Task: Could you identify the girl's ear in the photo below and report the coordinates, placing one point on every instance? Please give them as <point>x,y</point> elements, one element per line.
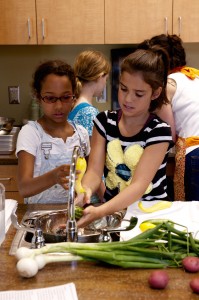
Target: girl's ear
<point>156,93</point>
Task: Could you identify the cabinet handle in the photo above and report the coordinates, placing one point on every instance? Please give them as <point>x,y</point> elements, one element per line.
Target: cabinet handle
<point>166,25</point>
<point>29,29</point>
<point>179,26</point>
<point>6,179</point>
<point>43,28</point>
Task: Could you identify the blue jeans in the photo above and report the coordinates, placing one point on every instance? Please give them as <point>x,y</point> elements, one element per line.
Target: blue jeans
<point>191,178</point>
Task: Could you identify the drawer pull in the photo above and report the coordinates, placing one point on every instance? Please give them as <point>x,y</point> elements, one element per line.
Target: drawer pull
<point>6,179</point>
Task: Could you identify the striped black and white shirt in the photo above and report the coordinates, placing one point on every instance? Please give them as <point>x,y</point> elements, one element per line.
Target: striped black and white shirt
<point>154,131</point>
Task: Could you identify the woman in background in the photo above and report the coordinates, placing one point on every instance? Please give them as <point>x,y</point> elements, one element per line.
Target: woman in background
<point>91,69</point>
<point>183,94</point>
<point>45,146</point>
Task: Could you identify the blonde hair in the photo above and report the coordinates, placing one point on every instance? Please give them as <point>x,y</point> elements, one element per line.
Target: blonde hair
<point>89,66</point>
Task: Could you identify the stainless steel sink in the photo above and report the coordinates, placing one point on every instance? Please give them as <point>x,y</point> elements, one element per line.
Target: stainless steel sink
<point>52,223</point>
<point>23,238</point>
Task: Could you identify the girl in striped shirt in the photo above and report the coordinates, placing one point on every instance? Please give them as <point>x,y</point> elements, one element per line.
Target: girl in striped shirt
<point>130,145</point>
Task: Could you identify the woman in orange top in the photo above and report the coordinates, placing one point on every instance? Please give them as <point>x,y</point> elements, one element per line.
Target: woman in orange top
<point>183,93</point>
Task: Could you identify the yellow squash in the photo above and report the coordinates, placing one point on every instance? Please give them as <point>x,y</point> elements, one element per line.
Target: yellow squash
<point>155,207</point>
<point>146,225</point>
<point>80,166</point>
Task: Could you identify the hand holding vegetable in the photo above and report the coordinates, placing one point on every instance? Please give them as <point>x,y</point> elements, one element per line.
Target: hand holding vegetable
<point>90,214</point>
<point>61,175</point>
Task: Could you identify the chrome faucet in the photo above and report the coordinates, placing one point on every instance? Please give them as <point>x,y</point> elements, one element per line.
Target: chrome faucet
<point>71,225</point>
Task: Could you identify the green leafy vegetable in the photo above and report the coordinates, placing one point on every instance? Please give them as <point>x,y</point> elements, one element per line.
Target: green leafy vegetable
<point>160,247</point>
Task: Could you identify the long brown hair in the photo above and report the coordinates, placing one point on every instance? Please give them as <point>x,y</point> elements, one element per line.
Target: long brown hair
<point>153,64</point>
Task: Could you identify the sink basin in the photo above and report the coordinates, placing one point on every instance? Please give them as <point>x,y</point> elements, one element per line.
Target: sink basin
<point>53,224</point>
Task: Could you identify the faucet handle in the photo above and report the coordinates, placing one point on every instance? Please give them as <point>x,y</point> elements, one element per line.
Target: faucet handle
<point>38,240</point>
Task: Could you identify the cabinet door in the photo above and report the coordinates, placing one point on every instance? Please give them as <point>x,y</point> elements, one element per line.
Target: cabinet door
<point>132,21</point>
<point>17,22</point>
<point>8,177</point>
<point>186,20</point>
<point>70,21</point>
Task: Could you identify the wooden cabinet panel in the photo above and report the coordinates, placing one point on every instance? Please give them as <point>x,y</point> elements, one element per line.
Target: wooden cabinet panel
<point>186,20</point>
<point>17,22</point>
<point>70,21</point>
<point>15,196</point>
<point>132,21</point>
<point>8,177</point>
<point>62,22</point>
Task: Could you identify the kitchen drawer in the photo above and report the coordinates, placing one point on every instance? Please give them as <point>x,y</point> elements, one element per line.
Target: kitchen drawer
<point>15,196</point>
<point>8,177</point>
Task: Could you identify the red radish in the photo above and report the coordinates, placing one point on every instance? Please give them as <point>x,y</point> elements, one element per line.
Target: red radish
<point>158,279</point>
<point>191,264</point>
<point>194,284</point>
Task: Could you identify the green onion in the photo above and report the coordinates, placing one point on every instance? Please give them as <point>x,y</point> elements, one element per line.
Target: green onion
<point>160,247</point>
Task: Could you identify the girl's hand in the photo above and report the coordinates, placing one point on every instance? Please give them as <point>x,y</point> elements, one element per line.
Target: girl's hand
<point>61,174</point>
<point>90,214</point>
<point>83,198</point>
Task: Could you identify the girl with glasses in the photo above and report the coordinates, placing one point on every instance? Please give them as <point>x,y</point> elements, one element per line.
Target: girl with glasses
<point>44,147</point>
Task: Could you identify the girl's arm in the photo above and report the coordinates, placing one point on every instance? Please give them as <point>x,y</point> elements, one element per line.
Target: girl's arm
<point>29,185</point>
<point>93,177</point>
<point>146,169</point>
<point>165,112</point>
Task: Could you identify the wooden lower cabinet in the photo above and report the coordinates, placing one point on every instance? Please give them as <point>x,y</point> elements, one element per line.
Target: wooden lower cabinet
<point>8,177</point>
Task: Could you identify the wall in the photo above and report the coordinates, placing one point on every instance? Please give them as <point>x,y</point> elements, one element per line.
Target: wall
<point>17,63</point>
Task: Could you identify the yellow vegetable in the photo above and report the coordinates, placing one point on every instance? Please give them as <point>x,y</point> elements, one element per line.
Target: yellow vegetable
<point>146,225</point>
<point>80,166</point>
<point>155,207</point>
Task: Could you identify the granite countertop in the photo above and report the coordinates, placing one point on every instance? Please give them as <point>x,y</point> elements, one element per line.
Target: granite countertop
<point>92,280</point>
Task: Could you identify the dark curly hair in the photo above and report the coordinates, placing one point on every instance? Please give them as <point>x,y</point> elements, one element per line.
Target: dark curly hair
<point>172,44</point>
<point>57,67</point>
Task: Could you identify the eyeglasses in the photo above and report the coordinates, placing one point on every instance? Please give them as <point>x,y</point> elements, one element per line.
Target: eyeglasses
<point>53,99</point>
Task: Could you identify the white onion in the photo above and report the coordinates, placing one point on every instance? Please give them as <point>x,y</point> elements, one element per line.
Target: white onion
<point>41,261</point>
<point>27,267</point>
<point>23,252</point>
